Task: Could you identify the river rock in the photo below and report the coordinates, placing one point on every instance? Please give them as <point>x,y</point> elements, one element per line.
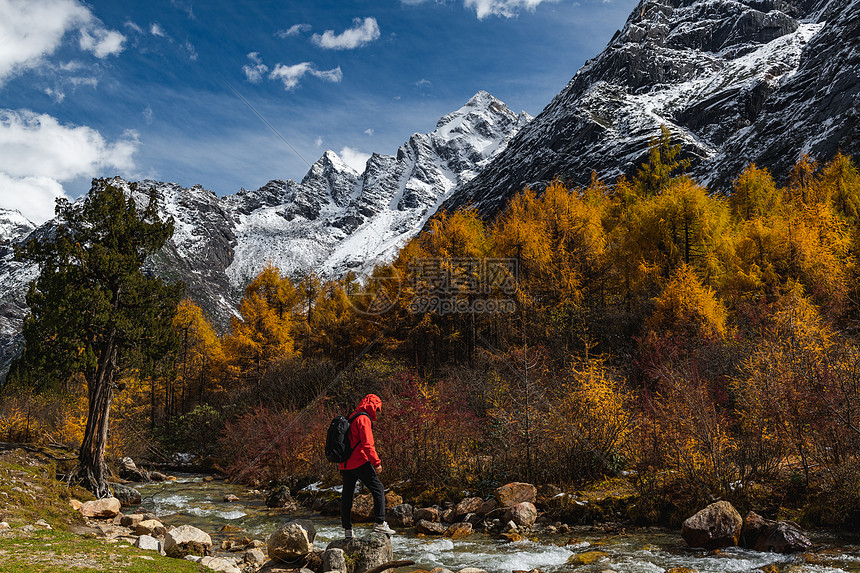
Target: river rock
<point>231,498</point>
<point>467,506</point>
<point>187,540</point>
<point>130,520</point>
<point>362,508</point>
<point>429,527</point>
<point>148,543</point>
<point>458,530</point>
<point>718,525</point>
<point>523,514</point>
<point>783,537</point>
<point>129,471</point>
<point>254,557</point>
<point>366,552</point>
<point>472,570</point>
<point>514,493</point>
<point>754,525</point>
<point>427,514</point>
<point>5,525</point>
<point>292,541</point>
<point>157,476</point>
<point>487,507</point>
<point>400,515</point>
<point>219,564</point>
<point>150,527</point>
<point>280,498</point>
<point>105,508</point>
<point>333,560</point>
<point>126,495</point>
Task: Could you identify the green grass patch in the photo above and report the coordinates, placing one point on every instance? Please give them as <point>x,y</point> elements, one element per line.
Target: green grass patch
<point>52,551</point>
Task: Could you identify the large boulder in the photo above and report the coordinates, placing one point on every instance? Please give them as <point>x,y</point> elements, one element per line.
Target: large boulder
<point>219,565</point>
<point>754,526</point>
<point>151,527</point>
<point>523,514</point>
<point>129,471</point>
<point>333,560</point>
<point>400,515</point>
<point>126,495</point>
<point>293,541</point>
<point>366,552</point>
<point>105,508</point>
<point>187,540</point>
<point>427,514</point>
<point>718,525</point>
<point>467,506</point>
<point>783,537</point>
<point>458,530</point>
<point>429,527</point>
<point>514,493</point>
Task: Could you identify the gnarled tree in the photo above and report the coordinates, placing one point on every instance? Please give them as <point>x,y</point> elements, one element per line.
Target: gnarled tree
<point>93,311</point>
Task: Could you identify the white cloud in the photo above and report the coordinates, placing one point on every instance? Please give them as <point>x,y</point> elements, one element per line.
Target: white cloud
<point>32,30</point>
<point>354,158</point>
<point>368,131</point>
<point>133,27</point>
<point>290,76</point>
<point>37,153</point>
<point>424,83</point>
<point>190,50</point>
<point>34,197</point>
<point>504,8</point>
<point>102,43</point>
<point>148,115</point>
<point>361,34</point>
<point>319,141</point>
<point>256,70</point>
<point>294,30</point>
<point>484,8</point>
<point>156,30</point>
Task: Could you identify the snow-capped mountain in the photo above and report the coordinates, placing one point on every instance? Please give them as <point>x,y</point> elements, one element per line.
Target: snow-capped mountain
<point>13,226</point>
<point>334,220</point>
<point>735,81</point>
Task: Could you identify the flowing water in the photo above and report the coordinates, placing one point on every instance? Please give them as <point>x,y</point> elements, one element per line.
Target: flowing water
<point>194,501</point>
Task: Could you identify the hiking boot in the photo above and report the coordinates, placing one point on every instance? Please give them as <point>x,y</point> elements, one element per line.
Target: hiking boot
<point>383,528</point>
<point>347,534</point>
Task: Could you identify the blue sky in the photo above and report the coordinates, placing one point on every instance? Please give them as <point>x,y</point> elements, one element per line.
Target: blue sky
<point>154,89</point>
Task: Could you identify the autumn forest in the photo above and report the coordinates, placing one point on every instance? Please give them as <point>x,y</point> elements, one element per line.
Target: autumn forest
<point>700,345</point>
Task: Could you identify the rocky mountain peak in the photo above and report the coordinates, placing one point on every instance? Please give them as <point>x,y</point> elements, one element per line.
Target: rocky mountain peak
<point>14,225</point>
<point>734,81</point>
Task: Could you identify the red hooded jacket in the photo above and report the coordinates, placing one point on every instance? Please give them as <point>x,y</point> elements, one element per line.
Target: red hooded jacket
<point>361,435</point>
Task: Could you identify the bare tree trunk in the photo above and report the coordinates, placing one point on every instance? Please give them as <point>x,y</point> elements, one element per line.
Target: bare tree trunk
<point>91,471</point>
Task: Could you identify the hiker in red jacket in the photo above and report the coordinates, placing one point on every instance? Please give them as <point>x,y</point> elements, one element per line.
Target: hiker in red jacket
<point>363,465</point>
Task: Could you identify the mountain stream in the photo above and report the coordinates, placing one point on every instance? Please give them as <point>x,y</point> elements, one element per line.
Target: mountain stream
<point>195,501</point>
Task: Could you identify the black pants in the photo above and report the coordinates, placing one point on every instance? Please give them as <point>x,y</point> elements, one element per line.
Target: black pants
<point>366,475</point>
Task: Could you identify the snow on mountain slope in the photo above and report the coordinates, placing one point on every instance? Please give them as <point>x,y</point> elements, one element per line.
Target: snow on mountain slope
<point>13,225</point>
<point>717,73</point>
<point>337,220</point>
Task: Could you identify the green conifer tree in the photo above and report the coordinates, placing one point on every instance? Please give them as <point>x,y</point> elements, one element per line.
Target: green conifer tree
<point>92,309</point>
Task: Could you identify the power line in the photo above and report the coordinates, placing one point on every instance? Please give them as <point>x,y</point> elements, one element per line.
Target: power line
<point>267,123</point>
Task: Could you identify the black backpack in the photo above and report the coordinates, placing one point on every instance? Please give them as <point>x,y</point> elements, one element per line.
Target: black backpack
<point>337,448</point>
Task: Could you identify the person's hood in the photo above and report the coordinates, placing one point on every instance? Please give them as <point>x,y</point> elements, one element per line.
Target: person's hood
<point>371,404</point>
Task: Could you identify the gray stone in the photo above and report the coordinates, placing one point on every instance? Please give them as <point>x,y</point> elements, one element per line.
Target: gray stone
<point>333,560</point>
<point>366,552</point>
<point>254,556</point>
<point>219,564</point>
<point>429,527</point>
<point>148,543</point>
<point>126,495</point>
<point>718,525</point>
<point>523,514</point>
<point>783,537</point>
<point>187,540</point>
<point>292,541</point>
<point>400,515</point>
<point>105,508</point>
